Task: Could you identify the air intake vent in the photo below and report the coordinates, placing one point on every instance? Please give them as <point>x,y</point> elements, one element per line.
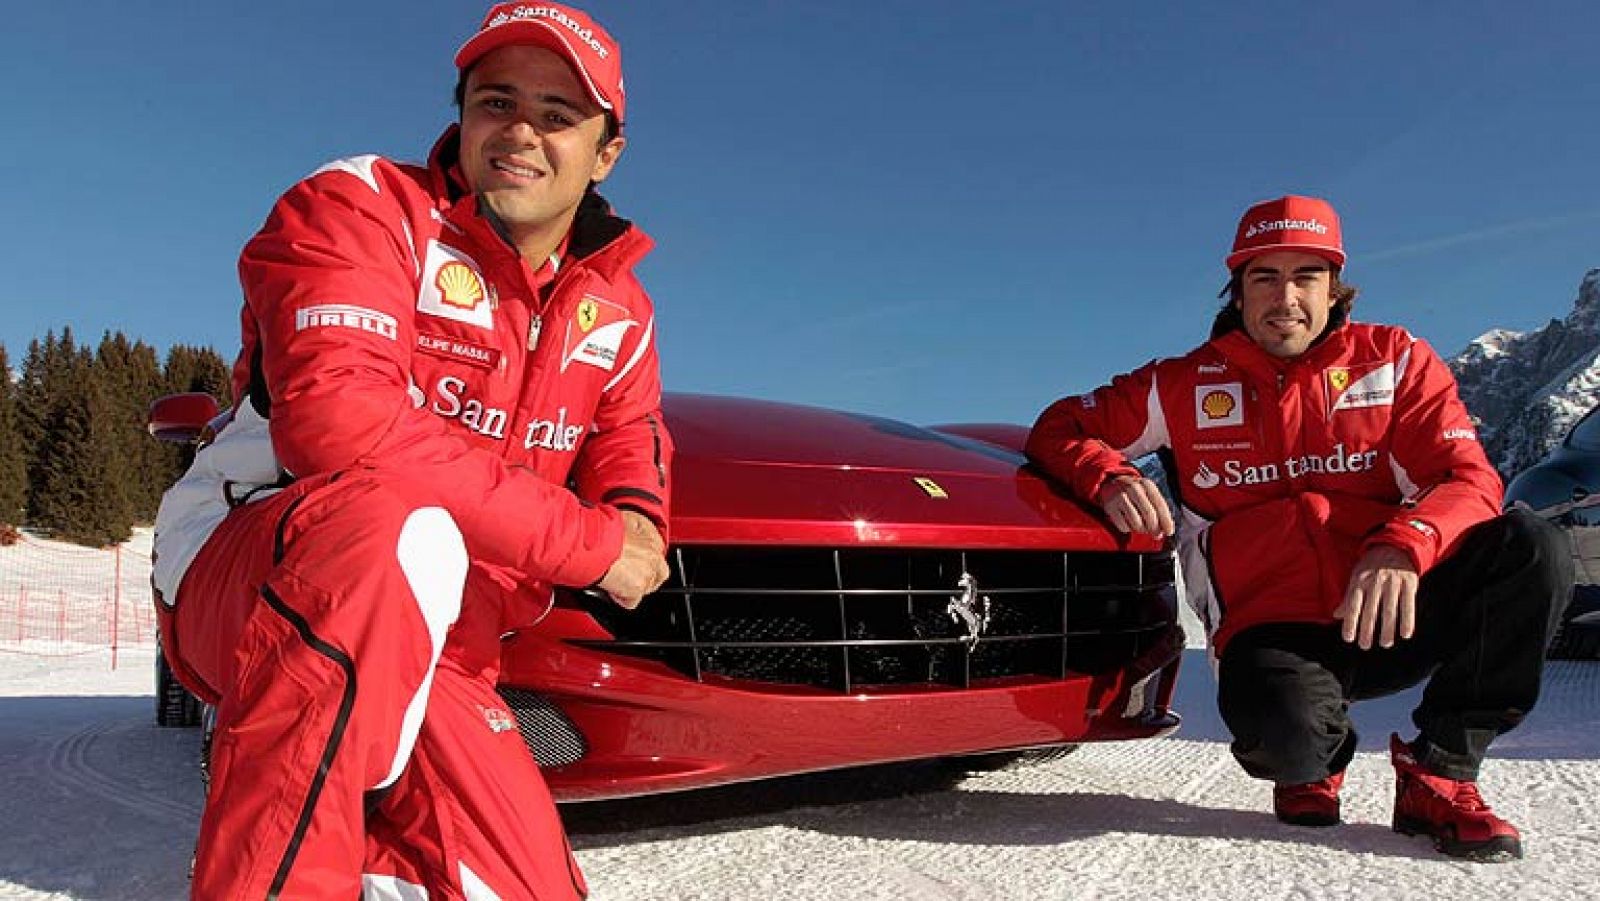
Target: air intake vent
<point>554,740</point>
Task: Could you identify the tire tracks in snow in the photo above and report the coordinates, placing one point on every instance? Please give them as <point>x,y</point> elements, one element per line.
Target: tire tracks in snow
<point>69,764</point>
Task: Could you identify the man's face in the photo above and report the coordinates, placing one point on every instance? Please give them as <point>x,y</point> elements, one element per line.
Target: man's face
<point>531,138</point>
<point>1285,301</point>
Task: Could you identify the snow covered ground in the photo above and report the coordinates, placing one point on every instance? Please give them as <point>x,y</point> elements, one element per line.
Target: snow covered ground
<point>100,804</point>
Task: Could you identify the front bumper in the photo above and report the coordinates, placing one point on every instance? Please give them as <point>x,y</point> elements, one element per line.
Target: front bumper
<point>612,714</point>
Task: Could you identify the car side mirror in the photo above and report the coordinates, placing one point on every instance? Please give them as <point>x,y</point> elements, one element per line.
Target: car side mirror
<point>181,418</point>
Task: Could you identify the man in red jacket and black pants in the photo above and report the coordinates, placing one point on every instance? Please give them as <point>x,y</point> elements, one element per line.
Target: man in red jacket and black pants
<point>449,403</point>
<point>1337,530</point>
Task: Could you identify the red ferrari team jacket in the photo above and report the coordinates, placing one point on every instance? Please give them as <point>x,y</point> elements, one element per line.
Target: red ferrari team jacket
<point>1285,470</point>
<point>387,325</point>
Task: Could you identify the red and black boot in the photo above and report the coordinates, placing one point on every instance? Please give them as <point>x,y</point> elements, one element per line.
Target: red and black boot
<point>1309,803</point>
<point>1450,811</point>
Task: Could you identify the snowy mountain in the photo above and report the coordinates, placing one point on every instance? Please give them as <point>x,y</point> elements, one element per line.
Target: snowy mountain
<point>1527,389</point>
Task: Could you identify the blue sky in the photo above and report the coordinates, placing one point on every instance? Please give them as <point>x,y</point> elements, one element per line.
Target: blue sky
<point>935,211</point>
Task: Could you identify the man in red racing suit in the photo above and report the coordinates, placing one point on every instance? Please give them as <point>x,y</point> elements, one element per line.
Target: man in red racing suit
<point>448,403</point>
<point>1337,532</point>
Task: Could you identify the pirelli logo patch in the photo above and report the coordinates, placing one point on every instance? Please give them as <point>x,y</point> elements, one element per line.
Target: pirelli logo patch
<point>343,315</point>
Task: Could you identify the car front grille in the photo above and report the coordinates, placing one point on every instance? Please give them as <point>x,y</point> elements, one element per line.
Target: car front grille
<point>848,620</point>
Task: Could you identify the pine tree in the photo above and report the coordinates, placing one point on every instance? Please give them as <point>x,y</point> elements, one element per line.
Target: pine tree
<point>191,368</point>
<point>38,394</point>
<point>132,379</point>
<point>30,394</point>
<point>13,459</point>
<point>76,475</point>
<point>74,455</point>
<point>158,463</point>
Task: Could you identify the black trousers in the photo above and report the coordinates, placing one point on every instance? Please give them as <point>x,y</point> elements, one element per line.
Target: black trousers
<point>1484,618</point>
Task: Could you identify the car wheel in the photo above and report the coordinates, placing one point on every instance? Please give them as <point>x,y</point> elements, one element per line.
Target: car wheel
<point>176,708</point>
<point>997,761</point>
<point>1576,642</point>
<point>1579,635</point>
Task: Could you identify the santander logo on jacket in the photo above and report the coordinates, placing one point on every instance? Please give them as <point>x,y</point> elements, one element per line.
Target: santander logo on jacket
<point>1286,470</point>
<point>388,325</point>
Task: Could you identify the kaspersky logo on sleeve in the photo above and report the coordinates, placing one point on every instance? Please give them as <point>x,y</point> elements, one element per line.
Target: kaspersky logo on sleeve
<point>453,287</point>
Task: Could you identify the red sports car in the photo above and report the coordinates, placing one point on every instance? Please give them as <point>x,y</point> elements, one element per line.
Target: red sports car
<point>845,590</point>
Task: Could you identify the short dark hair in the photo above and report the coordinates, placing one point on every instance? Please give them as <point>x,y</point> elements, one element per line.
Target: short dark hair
<point>459,98</point>
<point>1230,317</point>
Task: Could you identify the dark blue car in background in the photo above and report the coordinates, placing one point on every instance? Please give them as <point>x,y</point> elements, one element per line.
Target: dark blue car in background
<point>1565,488</point>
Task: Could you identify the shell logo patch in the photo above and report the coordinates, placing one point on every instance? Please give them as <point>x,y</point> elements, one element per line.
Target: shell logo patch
<point>1216,406</point>
<point>458,285</point>
<point>932,488</point>
<point>595,333</point>
<point>452,287</point>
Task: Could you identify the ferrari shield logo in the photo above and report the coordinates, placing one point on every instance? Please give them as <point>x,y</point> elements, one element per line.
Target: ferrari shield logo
<point>588,314</point>
<point>595,332</point>
<point>1358,390</point>
<point>931,487</point>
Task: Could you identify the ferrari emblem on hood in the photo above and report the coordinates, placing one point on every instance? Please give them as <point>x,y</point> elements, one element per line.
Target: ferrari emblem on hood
<point>931,487</point>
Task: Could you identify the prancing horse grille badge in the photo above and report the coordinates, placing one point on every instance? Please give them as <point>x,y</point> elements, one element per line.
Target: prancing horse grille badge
<point>970,610</point>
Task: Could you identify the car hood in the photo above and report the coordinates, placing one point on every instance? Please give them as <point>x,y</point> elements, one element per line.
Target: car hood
<point>760,472</point>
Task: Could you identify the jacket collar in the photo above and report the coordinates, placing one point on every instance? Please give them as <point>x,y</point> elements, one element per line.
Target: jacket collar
<point>1245,353</point>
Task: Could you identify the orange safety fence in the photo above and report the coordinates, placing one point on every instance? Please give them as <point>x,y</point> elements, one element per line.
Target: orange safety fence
<point>59,599</point>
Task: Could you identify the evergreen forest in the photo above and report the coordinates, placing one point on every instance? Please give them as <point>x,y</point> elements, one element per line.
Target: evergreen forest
<point>76,462</point>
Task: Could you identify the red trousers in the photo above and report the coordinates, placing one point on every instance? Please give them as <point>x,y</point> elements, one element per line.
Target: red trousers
<point>360,748</point>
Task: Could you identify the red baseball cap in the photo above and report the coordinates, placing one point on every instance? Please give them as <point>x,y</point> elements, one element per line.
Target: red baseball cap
<point>593,53</point>
<point>1304,224</point>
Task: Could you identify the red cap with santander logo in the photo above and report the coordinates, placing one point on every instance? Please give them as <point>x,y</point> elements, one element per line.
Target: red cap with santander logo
<point>1303,224</point>
<point>592,53</point>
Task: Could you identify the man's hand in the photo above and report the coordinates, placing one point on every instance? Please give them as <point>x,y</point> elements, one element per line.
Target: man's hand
<point>642,566</point>
<point>638,524</point>
<point>1381,598</point>
<point>1135,504</point>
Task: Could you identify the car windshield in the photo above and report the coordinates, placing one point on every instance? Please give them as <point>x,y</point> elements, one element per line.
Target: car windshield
<point>1585,436</point>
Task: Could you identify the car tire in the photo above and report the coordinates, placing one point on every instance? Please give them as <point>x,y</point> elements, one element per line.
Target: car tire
<point>1575,643</point>
<point>176,708</point>
<point>1579,635</point>
<point>1000,761</point>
